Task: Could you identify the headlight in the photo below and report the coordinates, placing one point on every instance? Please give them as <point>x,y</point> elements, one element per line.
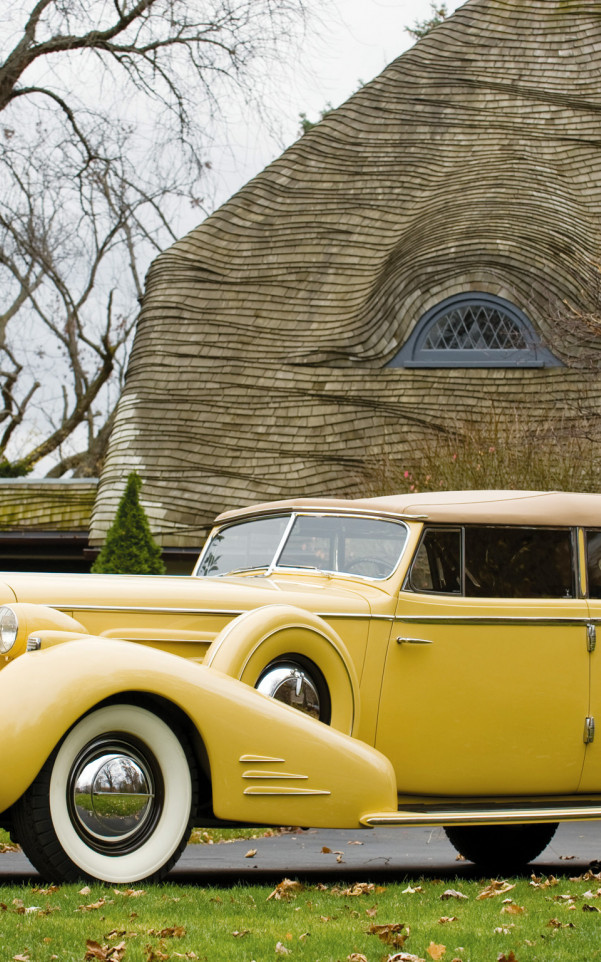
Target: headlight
<point>9,626</point>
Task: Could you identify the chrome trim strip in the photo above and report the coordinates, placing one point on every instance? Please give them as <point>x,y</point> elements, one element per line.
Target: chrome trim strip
<point>283,790</point>
<point>498,816</point>
<point>490,620</point>
<point>260,758</point>
<point>67,606</point>
<point>251,774</point>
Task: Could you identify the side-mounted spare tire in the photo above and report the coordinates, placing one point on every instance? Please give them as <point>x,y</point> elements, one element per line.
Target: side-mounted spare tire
<point>294,656</point>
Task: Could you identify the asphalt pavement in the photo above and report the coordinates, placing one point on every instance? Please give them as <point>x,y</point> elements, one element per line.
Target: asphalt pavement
<point>384,854</point>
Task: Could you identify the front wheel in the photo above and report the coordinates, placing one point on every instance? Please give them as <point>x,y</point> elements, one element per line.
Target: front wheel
<point>501,848</point>
<point>113,802</point>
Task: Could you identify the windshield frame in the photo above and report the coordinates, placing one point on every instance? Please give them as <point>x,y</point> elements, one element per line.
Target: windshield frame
<point>293,515</point>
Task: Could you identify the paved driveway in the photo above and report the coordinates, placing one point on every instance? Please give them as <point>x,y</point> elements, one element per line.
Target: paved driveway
<point>385,854</point>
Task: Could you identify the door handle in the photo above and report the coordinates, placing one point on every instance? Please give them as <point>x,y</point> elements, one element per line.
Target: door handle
<point>413,641</point>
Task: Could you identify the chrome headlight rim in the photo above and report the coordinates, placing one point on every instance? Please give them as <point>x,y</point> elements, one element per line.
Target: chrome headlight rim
<point>9,629</point>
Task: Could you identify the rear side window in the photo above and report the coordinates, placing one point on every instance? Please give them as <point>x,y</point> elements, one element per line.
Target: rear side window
<point>593,563</point>
<point>497,562</point>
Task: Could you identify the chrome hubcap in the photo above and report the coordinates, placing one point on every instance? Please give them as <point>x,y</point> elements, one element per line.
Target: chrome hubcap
<point>293,686</point>
<point>114,795</point>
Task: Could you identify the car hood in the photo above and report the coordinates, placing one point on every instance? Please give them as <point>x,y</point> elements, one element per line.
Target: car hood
<point>236,594</point>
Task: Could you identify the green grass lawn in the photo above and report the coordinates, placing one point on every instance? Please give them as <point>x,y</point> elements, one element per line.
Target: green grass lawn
<point>549,920</point>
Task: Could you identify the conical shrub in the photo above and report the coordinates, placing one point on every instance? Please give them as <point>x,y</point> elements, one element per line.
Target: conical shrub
<point>129,548</point>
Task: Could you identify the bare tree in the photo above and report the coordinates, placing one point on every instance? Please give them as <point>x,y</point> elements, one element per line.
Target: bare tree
<point>104,112</point>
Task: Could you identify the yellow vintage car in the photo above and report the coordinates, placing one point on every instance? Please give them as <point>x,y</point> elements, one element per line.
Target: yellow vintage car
<point>424,659</point>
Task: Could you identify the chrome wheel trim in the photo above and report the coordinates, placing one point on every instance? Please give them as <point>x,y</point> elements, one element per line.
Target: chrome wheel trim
<point>151,853</point>
<point>292,684</point>
<point>115,793</point>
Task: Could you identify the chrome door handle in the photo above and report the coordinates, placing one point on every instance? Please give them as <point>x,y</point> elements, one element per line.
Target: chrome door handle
<point>413,641</point>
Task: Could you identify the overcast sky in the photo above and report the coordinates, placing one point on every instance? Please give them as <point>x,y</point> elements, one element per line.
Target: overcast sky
<point>347,42</point>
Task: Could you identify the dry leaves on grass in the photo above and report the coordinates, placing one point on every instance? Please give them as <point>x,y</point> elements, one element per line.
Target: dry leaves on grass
<point>359,888</point>
<point>452,894</point>
<point>130,893</point>
<point>556,924</point>
<point>435,951</point>
<point>392,933</point>
<point>404,957</point>
<point>104,953</point>
<point>356,957</point>
<point>510,908</point>
<point>447,918</point>
<point>280,949</point>
<point>496,887</point>
<point>174,932</point>
<point>507,958</point>
<point>8,847</point>
<point>94,906</point>
<point>539,882</point>
<point>285,890</point>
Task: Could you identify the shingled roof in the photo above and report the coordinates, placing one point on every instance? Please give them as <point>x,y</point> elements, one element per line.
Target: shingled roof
<point>259,368</point>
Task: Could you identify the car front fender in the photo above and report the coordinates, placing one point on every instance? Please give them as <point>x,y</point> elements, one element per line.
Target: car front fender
<point>268,763</point>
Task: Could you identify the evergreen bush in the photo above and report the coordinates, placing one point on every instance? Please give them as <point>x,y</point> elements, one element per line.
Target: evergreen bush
<point>129,547</point>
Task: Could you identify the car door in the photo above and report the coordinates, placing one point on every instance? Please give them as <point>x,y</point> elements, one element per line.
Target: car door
<point>591,548</point>
<point>486,682</point>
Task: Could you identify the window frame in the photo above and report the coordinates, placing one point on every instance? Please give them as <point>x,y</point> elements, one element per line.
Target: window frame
<point>413,353</point>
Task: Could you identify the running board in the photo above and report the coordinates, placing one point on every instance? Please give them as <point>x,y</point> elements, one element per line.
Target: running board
<point>494,815</point>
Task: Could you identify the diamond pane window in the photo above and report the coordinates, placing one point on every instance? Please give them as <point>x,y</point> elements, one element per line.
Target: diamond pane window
<point>474,330</point>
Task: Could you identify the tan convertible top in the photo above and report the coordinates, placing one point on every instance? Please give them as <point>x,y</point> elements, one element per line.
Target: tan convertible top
<point>476,507</point>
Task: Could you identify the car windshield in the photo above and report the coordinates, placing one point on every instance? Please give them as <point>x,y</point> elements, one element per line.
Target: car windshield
<point>369,547</point>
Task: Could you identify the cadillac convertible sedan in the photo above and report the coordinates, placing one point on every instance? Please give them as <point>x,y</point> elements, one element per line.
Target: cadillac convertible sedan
<point>422,659</point>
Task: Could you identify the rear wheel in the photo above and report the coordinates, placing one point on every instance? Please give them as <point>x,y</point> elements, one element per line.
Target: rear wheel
<point>501,848</point>
<point>113,802</point>
<point>298,682</point>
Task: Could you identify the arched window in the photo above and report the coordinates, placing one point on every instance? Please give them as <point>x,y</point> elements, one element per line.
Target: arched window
<point>474,330</point>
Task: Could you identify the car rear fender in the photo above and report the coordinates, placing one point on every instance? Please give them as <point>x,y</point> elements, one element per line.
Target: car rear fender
<point>269,763</point>
<point>245,647</point>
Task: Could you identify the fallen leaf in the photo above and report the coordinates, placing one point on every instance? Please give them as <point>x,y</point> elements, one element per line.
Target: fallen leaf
<point>507,958</point>
<point>511,908</point>
<point>412,891</point>
<point>452,894</point>
<point>94,906</point>
<point>390,932</point>
<point>339,858</point>
<point>285,890</point>
<point>21,958</point>
<point>504,929</point>
<point>175,932</point>
<point>85,891</point>
<point>251,853</point>
<point>326,851</point>
<point>104,953</point>
<point>155,955</point>
<point>281,949</point>
<point>240,934</point>
<point>355,843</point>
<point>460,857</point>
<point>356,957</point>
<point>130,893</point>
<point>371,913</point>
<point>590,908</point>
<point>436,951</point>
<point>447,918</point>
<point>361,888</point>
<point>556,924</point>
<point>404,957</point>
<point>495,888</point>
<point>544,883</point>
<point>566,858</point>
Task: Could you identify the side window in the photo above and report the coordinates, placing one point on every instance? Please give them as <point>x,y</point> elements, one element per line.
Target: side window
<point>512,562</point>
<point>437,562</point>
<point>593,563</point>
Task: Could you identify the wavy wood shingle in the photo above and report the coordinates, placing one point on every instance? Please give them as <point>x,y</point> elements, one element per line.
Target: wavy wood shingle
<point>473,162</point>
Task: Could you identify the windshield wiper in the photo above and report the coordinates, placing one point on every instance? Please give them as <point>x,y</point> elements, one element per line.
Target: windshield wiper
<point>240,571</point>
